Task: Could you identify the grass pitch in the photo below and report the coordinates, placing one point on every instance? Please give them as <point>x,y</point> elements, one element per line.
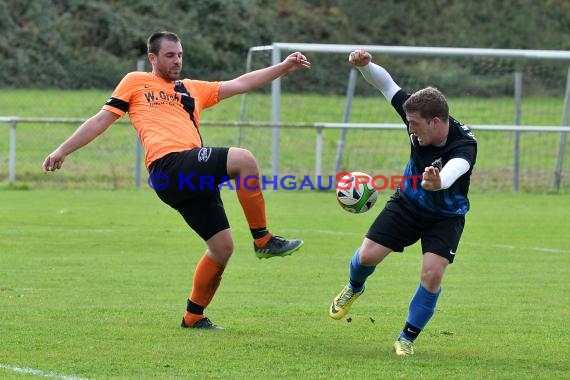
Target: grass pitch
<point>93,285</point>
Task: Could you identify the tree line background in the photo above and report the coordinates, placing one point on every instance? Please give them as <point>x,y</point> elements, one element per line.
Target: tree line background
<point>80,44</point>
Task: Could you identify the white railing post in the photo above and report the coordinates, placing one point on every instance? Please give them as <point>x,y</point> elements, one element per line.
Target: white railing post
<point>319,152</point>
<point>275,114</point>
<point>12,154</point>
<point>518,112</point>
<point>138,145</point>
<point>352,76</point>
<point>562,144</point>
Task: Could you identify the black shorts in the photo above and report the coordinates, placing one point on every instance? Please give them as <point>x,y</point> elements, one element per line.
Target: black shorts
<point>188,182</point>
<point>401,224</point>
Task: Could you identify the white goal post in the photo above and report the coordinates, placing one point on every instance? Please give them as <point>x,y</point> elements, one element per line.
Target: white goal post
<point>279,49</point>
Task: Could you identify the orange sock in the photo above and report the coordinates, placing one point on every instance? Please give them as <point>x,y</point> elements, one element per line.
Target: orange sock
<point>262,241</point>
<point>251,199</point>
<point>207,277</point>
<point>190,319</point>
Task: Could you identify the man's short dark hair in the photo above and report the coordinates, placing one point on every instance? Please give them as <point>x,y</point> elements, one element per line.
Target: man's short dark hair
<point>429,102</point>
<point>155,40</point>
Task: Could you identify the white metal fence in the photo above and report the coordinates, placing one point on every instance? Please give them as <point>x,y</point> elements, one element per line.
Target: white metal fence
<point>527,158</point>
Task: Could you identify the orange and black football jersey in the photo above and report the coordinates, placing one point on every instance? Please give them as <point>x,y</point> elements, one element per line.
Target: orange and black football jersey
<point>157,113</point>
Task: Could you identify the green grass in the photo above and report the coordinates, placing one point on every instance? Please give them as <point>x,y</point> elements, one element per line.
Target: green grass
<point>93,285</point>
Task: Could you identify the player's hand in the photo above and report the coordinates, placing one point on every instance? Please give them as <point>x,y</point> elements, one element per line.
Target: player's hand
<point>53,161</point>
<point>431,180</point>
<point>359,58</point>
<point>297,60</point>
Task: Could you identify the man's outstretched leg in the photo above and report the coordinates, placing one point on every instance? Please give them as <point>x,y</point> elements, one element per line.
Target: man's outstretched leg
<point>362,265</point>
<point>358,274</point>
<point>243,167</point>
<point>207,278</point>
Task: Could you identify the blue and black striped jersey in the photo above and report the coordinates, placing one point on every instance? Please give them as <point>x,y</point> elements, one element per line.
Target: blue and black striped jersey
<point>460,143</point>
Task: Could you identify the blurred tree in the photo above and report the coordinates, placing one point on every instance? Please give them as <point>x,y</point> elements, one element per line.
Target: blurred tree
<point>93,43</point>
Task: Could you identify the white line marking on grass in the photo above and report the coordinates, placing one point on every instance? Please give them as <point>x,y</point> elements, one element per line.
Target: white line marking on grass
<point>550,250</point>
<point>36,230</point>
<point>330,232</point>
<point>37,372</point>
<point>507,246</point>
<point>502,246</point>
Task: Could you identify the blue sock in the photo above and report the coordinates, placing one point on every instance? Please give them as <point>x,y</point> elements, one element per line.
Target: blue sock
<point>422,307</point>
<point>358,272</point>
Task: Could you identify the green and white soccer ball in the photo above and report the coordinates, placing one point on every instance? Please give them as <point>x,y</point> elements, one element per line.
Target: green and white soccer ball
<point>355,192</point>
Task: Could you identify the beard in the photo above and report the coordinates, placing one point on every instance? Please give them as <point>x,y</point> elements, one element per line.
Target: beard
<point>171,73</point>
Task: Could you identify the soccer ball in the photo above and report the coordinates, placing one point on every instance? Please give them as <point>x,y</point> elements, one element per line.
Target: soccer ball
<point>355,192</point>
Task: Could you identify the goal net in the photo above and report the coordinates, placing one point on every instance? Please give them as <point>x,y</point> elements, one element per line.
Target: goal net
<point>498,89</point>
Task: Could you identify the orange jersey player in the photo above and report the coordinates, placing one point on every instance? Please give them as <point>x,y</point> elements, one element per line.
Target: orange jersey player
<point>157,113</point>
<point>165,111</point>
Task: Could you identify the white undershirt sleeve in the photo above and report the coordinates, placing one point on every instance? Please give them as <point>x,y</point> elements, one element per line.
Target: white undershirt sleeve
<point>378,77</point>
<point>454,169</point>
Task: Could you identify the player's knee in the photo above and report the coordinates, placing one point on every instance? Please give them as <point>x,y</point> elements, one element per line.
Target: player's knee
<point>372,253</point>
<point>371,258</point>
<point>432,278</point>
<point>221,246</point>
<point>227,249</point>
<point>222,251</point>
<point>242,161</point>
<point>248,160</point>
